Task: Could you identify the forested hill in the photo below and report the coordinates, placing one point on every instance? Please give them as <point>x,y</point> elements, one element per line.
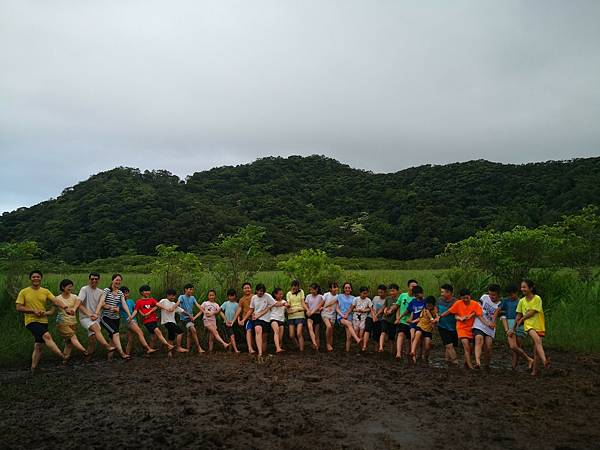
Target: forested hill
<point>303,202</point>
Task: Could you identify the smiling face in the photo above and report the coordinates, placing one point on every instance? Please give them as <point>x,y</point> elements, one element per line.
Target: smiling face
<point>394,292</point>
<point>382,293</point>
<point>116,283</point>
<point>94,281</point>
<point>446,294</point>
<point>334,290</point>
<point>279,295</point>
<point>171,297</point>
<point>247,290</point>
<point>313,291</point>
<point>364,294</point>
<point>347,289</point>
<point>189,292</point>
<point>493,296</point>
<point>36,280</point>
<point>525,288</point>
<point>68,289</point>
<point>146,294</point>
<point>411,286</point>
<point>211,296</point>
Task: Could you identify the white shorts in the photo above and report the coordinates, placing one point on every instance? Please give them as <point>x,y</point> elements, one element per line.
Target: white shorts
<point>189,325</point>
<point>331,317</point>
<point>87,323</point>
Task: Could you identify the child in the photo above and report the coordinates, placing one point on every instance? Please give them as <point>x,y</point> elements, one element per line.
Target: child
<point>402,325</point>
<point>447,326</point>
<point>464,312</point>
<point>373,324</point>
<point>508,317</point>
<point>484,327</point>
<point>187,301</point>
<point>344,310</point>
<point>295,309</point>
<point>424,329</point>
<point>260,307</point>
<point>210,309</point>
<point>362,306</point>
<point>329,313</point>
<point>413,311</point>
<point>277,318</point>
<point>313,304</point>
<point>132,326</point>
<point>147,307</point>
<point>66,320</point>
<point>230,311</point>
<point>531,313</point>
<point>244,319</point>
<point>167,318</point>
<point>388,326</point>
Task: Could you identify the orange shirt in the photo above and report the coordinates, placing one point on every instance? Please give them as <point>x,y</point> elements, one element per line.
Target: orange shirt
<point>245,305</point>
<point>464,329</point>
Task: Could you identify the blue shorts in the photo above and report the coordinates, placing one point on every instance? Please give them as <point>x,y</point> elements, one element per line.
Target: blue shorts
<point>520,330</point>
<point>296,321</point>
<point>249,325</point>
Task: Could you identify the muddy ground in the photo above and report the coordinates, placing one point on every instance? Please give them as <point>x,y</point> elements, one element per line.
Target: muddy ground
<point>300,401</point>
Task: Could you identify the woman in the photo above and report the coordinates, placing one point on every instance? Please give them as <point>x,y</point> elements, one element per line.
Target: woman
<point>66,319</point>
<point>111,302</point>
<point>344,309</point>
<point>296,319</point>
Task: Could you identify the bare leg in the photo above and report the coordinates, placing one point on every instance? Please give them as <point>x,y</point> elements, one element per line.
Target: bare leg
<point>250,341</point>
<point>426,349</point>
<point>366,336</point>
<point>259,339</point>
<point>215,333</point>
<point>300,337</point>
<point>517,351</point>
<point>317,329</point>
<point>91,347</point>
<point>539,354</point>
<point>399,343</point>
<point>489,346</point>
<point>276,338</point>
<point>116,338</point>
<point>451,354</point>
<point>162,339</point>
<point>129,347</point>
<point>180,349</point>
<point>194,334</point>
<point>350,329</point>
<point>75,342</point>
<point>414,345</point>
<point>36,355</point>
<point>328,334</point>
<point>52,345</point>
<point>382,338</point>
<point>98,336</point>
<point>311,332</point>
<point>140,335</point>
<point>292,332</point>
<point>68,349</point>
<point>467,347</point>
<point>348,338</point>
<point>478,349</point>
<point>233,343</point>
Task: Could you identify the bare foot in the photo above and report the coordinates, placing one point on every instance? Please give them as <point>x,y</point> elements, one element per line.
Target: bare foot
<point>170,347</point>
<point>201,350</point>
<point>357,340</point>
<point>280,350</point>
<point>125,356</point>
<point>547,363</point>
<point>110,349</point>
<point>151,350</point>
<point>182,350</point>
<point>237,351</point>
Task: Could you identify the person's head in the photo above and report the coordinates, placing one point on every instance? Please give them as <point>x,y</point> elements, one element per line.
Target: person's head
<point>211,295</point>
<point>125,291</point>
<point>314,289</point>
<point>145,291</point>
<point>363,291</point>
<point>446,291</point>
<point>382,290</point>
<point>528,287</point>
<point>260,289</point>
<point>430,302</point>
<point>347,288</point>
<point>35,276</point>
<point>512,290</point>
<point>410,285</point>
<point>465,295</point>
<point>115,281</point>
<point>171,294</point>
<point>66,286</point>
<point>188,289</point>
<point>94,279</point>
<point>418,292</point>
<point>334,287</point>
<point>295,286</point>
<point>394,290</point>
<point>231,295</point>
<point>277,293</point>
<point>494,292</point>
<point>247,289</point>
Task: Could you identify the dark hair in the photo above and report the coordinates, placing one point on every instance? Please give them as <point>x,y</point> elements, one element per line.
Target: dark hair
<point>171,291</point>
<point>231,292</point>
<point>430,300</point>
<point>296,283</point>
<point>213,291</point>
<point>260,287</point>
<point>347,283</point>
<point>382,287</point>
<point>417,290</point>
<point>394,286</point>
<point>530,284</point>
<point>333,284</point>
<point>64,283</point>
<point>363,289</point>
<point>494,288</point>
<point>113,279</point>
<point>124,289</point>
<point>464,291</point>
<point>93,274</point>
<point>188,286</point>
<point>33,272</point>
<point>246,284</point>
<point>316,287</point>
<point>276,291</point>
<point>447,287</point>
<point>512,289</point>
<point>144,288</point>
<point>411,281</point>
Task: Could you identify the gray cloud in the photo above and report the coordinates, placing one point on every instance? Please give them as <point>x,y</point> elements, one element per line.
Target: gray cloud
<point>384,85</point>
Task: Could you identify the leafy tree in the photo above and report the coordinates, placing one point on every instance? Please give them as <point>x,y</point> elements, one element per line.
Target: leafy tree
<point>16,259</point>
<point>174,268</point>
<point>581,233</point>
<point>311,266</point>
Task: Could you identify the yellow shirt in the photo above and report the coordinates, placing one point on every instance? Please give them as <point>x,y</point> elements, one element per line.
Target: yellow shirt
<point>295,302</point>
<point>61,316</point>
<point>34,299</point>
<point>536,322</point>
<point>425,319</point>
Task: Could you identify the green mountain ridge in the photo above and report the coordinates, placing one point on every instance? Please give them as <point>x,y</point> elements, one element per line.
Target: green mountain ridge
<point>303,202</point>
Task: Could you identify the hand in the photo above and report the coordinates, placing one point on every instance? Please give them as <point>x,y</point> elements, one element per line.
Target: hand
<point>94,317</point>
<point>115,309</point>
<point>39,313</point>
<point>240,322</point>
<point>492,325</point>
<point>229,323</point>
<point>510,332</point>
<point>129,319</point>
<point>70,311</point>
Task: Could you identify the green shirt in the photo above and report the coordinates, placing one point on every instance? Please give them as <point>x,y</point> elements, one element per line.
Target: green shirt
<point>389,302</point>
<point>402,303</point>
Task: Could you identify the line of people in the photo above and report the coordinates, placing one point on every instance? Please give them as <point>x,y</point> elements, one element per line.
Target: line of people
<point>403,321</point>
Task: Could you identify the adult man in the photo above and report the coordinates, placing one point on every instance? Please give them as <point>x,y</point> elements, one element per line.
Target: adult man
<point>90,312</point>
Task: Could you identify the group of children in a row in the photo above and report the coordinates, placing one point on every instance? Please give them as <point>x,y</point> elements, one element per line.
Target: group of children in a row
<point>407,321</point>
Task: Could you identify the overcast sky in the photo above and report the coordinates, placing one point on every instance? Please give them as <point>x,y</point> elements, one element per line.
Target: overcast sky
<point>383,85</point>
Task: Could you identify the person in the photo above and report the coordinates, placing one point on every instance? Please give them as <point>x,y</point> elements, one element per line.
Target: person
<point>295,309</point>
<point>31,301</point>
<point>66,319</point>
<point>260,308</point>
<point>89,314</point>
<point>484,327</point>
<point>209,310</point>
<point>329,313</point>
<point>110,304</point>
<point>277,318</point>
<point>147,306</point>
<point>530,312</point>
<point>388,326</point>
<point>168,308</point>
<point>425,322</point>
<point>230,311</point>
<point>401,322</point>
<point>413,311</point>
<point>133,329</point>
<point>464,312</point>
<point>447,326</point>
<point>373,322</point>
<point>313,304</point>
<point>244,319</point>
<point>344,310</point>
<point>362,306</point>
<point>508,316</point>
<point>187,301</point>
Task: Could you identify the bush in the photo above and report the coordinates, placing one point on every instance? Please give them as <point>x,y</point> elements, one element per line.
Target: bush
<point>311,266</point>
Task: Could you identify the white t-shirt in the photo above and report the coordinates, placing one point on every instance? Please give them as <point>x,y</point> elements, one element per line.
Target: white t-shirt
<point>259,304</point>
<point>329,311</point>
<point>489,309</point>
<point>168,316</point>
<point>277,313</point>
<point>89,298</point>
<point>362,303</point>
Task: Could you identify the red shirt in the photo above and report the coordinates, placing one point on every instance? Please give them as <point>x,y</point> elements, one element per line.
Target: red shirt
<point>144,305</point>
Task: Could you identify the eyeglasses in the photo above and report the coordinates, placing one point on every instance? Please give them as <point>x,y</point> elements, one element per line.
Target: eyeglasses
<point>94,279</point>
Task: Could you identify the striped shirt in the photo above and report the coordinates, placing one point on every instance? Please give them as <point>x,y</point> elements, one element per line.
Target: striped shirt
<point>114,300</point>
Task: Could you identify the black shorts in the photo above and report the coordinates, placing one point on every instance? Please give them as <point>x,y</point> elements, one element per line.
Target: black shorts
<point>279,322</point>
<point>448,336</point>
<point>110,325</point>
<point>173,330</point>
<point>38,330</point>
<point>389,329</point>
<point>404,329</point>
<point>478,332</point>
<point>151,326</point>
<point>425,334</point>
<point>316,319</point>
<point>369,324</point>
<point>375,329</point>
<point>266,326</point>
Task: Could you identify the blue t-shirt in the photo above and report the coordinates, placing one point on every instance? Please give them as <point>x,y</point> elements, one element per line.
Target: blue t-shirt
<point>415,307</point>
<point>448,322</point>
<point>130,305</point>
<point>345,302</point>
<point>187,304</point>
<point>509,308</point>
<point>229,309</point>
